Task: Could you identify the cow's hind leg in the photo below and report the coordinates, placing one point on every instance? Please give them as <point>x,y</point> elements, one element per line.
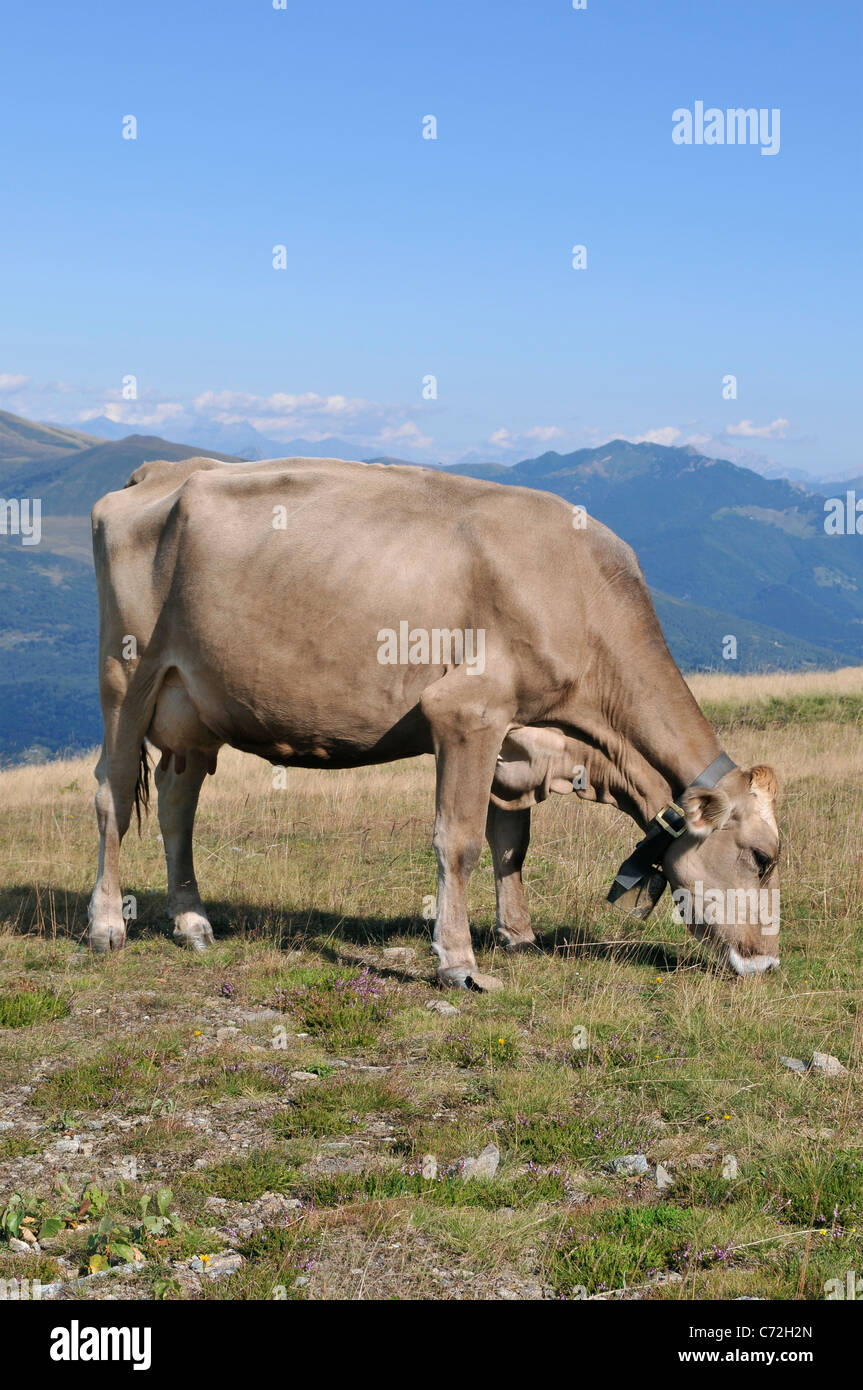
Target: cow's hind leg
<point>178,802</point>
<point>117,772</point>
<point>467,739</point>
<point>508,835</point>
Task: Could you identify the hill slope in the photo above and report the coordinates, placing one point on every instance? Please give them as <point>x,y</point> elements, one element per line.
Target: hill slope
<point>23,443</point>
<point>716,535</point>
<point>70,486</point>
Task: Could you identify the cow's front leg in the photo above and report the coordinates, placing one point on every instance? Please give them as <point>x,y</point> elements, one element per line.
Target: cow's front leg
<point>178,801</point>
<point>467,741</point>
<point>508,835</point>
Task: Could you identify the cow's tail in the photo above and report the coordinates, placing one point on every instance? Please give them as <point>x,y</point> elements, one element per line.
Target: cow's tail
<point>142,786</point>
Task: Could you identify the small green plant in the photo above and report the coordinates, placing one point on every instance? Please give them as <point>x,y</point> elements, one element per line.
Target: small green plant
<point>164,1288</point>
<point>117,1241</point>
<point>17,1145</point>
<point>43,1218</point>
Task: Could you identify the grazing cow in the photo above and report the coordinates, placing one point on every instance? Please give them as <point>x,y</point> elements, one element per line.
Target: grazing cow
<point>329,614</point>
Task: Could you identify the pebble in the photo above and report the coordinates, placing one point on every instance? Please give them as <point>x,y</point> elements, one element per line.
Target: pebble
<point>67,1146</point>
<point>793,1063</point>
<point>441,1006</point>
<point>628,1165</point>
<point>729,1168</point>
<point>429,1166</point>
<point>216,1266</point>
<point>483,1166</point>
<point>664,1180</point>
<point>827,1064</point>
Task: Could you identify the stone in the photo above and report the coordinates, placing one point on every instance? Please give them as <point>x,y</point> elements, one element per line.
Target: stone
<point>793,1063</point>
<point>664,1180</point>
<point>67,1146</point>
<point>729,1168</point>
<point>20,1247</point>
<point>226,1034</point>
<point>827,1064</point>
<point>429,1166</point>
<point>628,1165</point>
<point>441,1006</point>
<point>219,1266</point>
<point>483,1166</point>
<point>400,954</point>
<point>305,1076</point>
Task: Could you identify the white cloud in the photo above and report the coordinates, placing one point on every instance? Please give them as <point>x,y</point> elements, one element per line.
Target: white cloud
<point>135,412</point>
<point>667,435</point>
<point>536,434</point>
<point>12,381</point>
<point>406,433</point>
<point>230,406</point>
<point>777,429</point>
<point>543,433</point>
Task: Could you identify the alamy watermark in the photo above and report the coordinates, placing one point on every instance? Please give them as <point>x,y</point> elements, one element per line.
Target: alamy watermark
<point>21,516</point>
<point>844,515</point>
<point>437,646</point>
<point>734,126</point>
<point>719,907</point>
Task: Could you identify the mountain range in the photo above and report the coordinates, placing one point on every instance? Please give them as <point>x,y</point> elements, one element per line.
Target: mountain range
<point>727,552</point>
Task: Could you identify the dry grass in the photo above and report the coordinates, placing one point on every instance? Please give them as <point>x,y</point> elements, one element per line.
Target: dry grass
<point>780,685</point>
<point>311,884</point>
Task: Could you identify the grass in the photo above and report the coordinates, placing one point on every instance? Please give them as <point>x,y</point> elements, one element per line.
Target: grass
<point>297,1058</point>
<point>29,1004</point>
<point>243,1179</point>
<point>339,1107</point>
<point>135,1073</point>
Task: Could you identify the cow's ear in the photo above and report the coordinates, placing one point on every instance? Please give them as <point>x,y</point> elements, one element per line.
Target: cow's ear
<point>707,809</point>
<point>763,780</point>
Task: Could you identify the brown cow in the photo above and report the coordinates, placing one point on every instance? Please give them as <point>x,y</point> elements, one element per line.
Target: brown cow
<point>329,614</point>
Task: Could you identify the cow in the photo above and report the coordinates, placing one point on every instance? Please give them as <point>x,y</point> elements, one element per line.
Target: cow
<point>322,613</point>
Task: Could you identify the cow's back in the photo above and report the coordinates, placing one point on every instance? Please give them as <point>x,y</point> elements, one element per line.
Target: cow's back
<point>268,586</point>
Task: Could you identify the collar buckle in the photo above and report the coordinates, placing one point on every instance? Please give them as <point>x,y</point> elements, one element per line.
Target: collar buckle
<point>674,809</point>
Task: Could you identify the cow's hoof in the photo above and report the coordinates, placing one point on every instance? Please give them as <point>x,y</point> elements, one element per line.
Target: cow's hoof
<point>107,939</point>
<point>483,984</point>
<point>462,977</point>
<point>512,940</point>
<point>513,944</point>
<point>193,930</point>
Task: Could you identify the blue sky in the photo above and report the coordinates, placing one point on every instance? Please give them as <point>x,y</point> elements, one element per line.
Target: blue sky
<point>408,257</point>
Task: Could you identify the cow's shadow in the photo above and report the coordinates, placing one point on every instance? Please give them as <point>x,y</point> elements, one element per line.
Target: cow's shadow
<point>56,913</point>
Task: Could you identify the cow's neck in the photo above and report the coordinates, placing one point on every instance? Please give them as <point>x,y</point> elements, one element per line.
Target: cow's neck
<point>645,736</point>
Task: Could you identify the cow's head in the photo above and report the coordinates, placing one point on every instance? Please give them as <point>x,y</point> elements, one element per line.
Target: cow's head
<point>723,868</point>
